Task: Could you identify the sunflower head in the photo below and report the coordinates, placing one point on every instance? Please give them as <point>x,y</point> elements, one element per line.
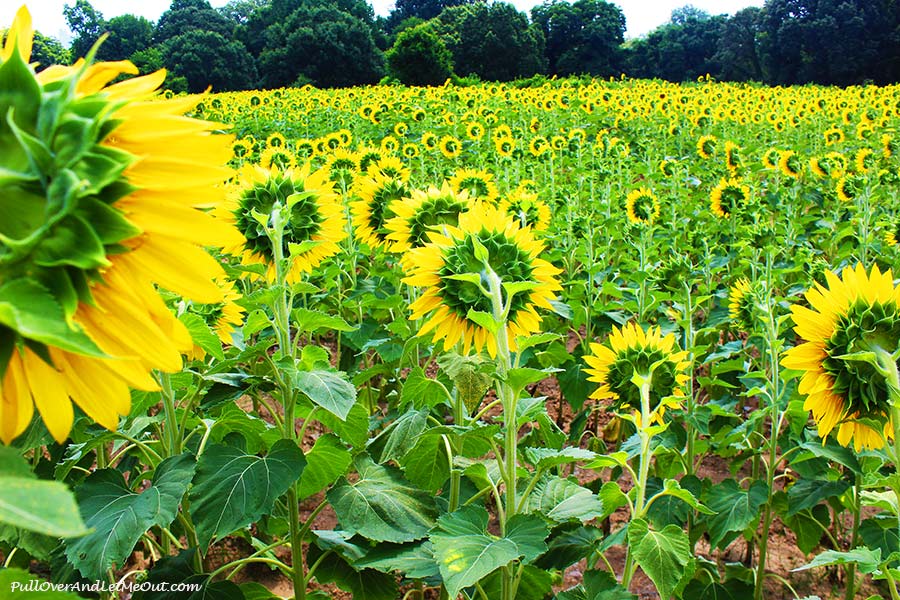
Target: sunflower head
<point>450,146</point>
<point>478,184</point>
<point>527,209</point>
<point>706,146</point>
<point>342,166</point>
<point>452,268</point>
<point>833,135</point>
<point>631,351</point>
<point>744,304</point>
<point>642,206</point>
<point>849,187</point>
<point>789,164</point>
<point>372,208</point>
<point>98,207</point>
<point>728,196</point>
<point>770,158</point>
<point>864,160</point>
<point>310,211</point>
<point>422,213</point>
<point>389,166</point>
<point>851,334</point>
<point>277,157</point>
<point>733,160</point>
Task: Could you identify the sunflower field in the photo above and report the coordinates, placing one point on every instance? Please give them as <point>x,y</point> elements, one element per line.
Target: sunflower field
<point>573,339</point>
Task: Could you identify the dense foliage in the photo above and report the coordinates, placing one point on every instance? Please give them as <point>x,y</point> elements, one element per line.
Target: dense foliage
<point>329,43</point>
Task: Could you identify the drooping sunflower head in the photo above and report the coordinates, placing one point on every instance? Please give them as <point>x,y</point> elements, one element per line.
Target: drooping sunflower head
<point>728,196</point>
<point>304,149</point>
<point>99,205</point>
<point>733,160</point>
<point>372,209</point>
<point>744,304</point>
<point>422,213</point>
<point>505,146</point>
<point>833,135</point>
<point>770,158</point>
<point>891,232</point>
<point>368,156</point>
<point>850,325</point>
<point>849,187</point>
<point>445,265</point>
<point>632,350</point>
<point>789,164</point>
<point>667,167</point>
<point>642,206</point>
<point>478,183</point>
<point>314,223</point>
<point>276,140</point>
<point>527,209</point>
<point>864,160</point>
<point>706,146</point>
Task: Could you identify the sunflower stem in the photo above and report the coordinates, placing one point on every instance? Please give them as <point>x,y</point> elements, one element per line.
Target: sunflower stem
<point>645,457</point>
<point>173,438</point>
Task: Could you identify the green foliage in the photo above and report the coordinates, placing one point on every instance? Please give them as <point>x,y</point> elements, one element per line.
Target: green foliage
<point>419,57</point>
<point>581,37</point>
<point>206,58</point>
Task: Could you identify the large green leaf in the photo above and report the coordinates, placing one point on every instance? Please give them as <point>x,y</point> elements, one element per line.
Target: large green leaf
<point>465,552</point>
<point>806,493</point>
<point>395,441</point>
<point>27,503</point>
<point>365,584</point>
<point>171,572</point>
<point>202,335</point>
<point>120,516</point>
<point>528,532</point>
<point>427,464</point>
<point>327,461</point>
<point>732,589</point>
<point>736,509</point>
<point>569,545</point>
<point>414,560</point>
<point>563,500</point>
<point>233,489</point>
<point>421,391</point>
<point>867,560</point>
<point>381,505</point>
<point>328,389</point>
<point>665,556</point>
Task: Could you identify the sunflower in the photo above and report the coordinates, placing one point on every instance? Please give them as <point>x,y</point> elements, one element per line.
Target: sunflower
<point>304,149</point>
<point>538,146</point>
<point>632,350</point>
<point>82,274</point>
<point>372,209</point>
<point>389,145</point>
<point>849,187</point>
<point>276,140</point>
<point>367,156</point>
<point>390,166</point>
<point>501,132</point>
<point>527,209</point>
<point>642,206</point>
<point>410,150</point>
<point>277,157</point>
<point>706,146</point>
<point>223,317</point>
<point>400,129</point>
<point>313,230</point>
<point>422,212</point>
<point>733,160</point>
<point>450,146</point>
<point>667,167</point>
<point>856,313</point>
<point>770,158</point>
<point>889,145</point>
<point>864,160</point>
<point>242,149</point>
<point>789,164</point>
<point>429,141</point>
<point>512,253</point>
<point>342,166</point>
<point>892,232</point>
<point>479,184</point>
<point>505,146</point>
<point>474,131</point>
<point>833,135</point>
<point>743,305</point>
<point>728,196</point>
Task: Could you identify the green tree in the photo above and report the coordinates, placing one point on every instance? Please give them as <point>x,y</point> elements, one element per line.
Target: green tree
<point>324,44</point>
<point>421,9</point>
<point>738,51</point>
<point>186,15</point>
<point>127,34</point>
<point>206,58</point>
<point>86,23</point>
<point>493,41</point>
<point>48,51</point>
<point>419,57</point>
<point>581,37</point>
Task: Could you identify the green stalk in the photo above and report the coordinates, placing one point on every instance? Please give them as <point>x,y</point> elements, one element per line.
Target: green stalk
<point>854,532</point>
<point>643,472</point>
<point>173,438</point>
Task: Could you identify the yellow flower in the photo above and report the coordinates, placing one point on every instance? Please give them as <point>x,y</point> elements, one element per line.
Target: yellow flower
<point>527,209</point>
<point>450,146</point>
<point>857,312</point>
<point>642,206</point>
<point>706,146</point>
<point>134,172</point>
<point>742,304</point>
<point>276,157</point>
<point>314,228</point>
<point>789,164</point>
<point>479,184</point>
<point>728,196</point>
<point>513,254</point>
<point>372,209</point>
<point>631,350</point>
<point>422,213</point>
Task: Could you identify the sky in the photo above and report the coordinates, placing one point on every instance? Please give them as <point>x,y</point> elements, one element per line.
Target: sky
<point>641,16</point>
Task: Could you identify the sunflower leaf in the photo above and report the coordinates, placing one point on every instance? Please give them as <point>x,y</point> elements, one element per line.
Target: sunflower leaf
<point>328,389</point>
<point>483,319</point>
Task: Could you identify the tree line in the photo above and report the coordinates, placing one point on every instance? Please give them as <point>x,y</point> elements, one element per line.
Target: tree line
<point>331,43</point>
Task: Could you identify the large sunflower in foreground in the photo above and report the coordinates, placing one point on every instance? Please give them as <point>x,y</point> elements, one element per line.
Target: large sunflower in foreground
<point>372,207</point>
<point>99,203</point>
<point>857,312</point>
<point>513,254</point>
<point>312,231</point>
<point>632,350</point>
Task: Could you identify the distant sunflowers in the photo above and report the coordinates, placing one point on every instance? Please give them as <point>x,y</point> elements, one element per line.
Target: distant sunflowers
<point>851,327</point>
<point>84,320</point>
<point>444,266</point>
